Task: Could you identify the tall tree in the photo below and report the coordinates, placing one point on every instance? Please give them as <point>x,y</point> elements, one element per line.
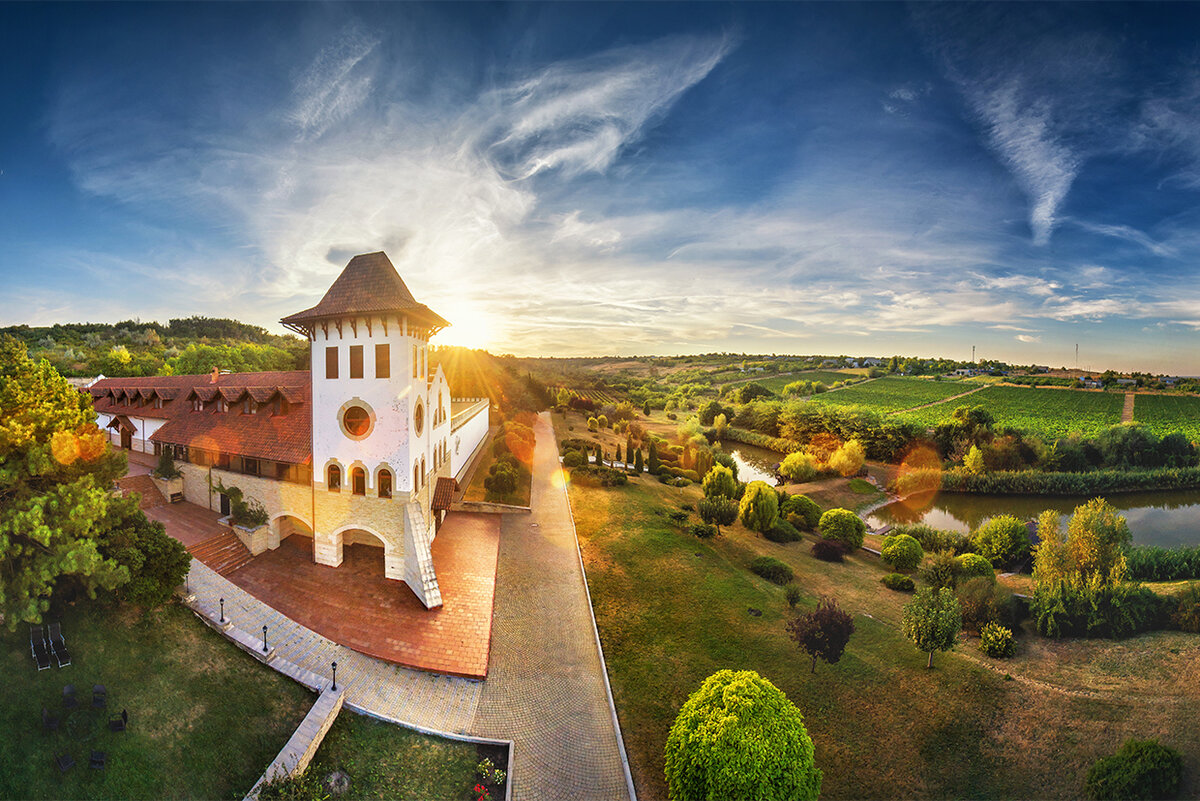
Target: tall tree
<point>56,471</point>
<point>823,632</point>
<point>932,620</point>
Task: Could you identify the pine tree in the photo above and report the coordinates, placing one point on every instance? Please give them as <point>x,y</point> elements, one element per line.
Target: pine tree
<point>617,456</point>
<point>646,408</point>
<point>629,447</point>
<point>638,464</point>
<point>652,461</point>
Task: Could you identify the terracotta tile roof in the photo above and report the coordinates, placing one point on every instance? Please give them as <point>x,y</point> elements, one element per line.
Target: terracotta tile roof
<point>443,493</point>
<point>368,285</point>
<point>281,438</point>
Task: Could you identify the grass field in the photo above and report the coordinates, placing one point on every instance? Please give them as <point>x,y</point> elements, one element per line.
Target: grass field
<point>205,719</point>
<point>776,383</point>
<point>1043,411</point>
<point>672,609</point>
<point>893,394</point>
<point>1165,414</point>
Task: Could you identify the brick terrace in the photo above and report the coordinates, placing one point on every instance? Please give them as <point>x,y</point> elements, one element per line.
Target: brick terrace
<point>355,606</point>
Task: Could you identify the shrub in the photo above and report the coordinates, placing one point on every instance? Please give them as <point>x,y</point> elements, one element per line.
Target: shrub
<point>572,459</point>
<point>593,424</point>
<point>1186,616</point>
<point>996,641</point>
<point>1154,563</point>
<point>848,459</point>
<point>678,516</point>
<point>933,539</point>
<point>823,632</point>
<point>782,531</point>
<point>672,416</point>
<point>1116,611</point>
<point>932,620</point>
<point>792,594</point>
<point>843,526</point>
<point>157,562</point>
<point>799,467</point>
<point>941,570</point>
<point>984,601</point>
<point>1141,769</point>
<point>902,552</point>
<point>772,569</point>
<point>1002,540</point>
<point>738,736</point>
<point>972,565</point>
<point>829,551</point>
<point>703,530</point>
<point>718,510</point>
<point>166,466</point>
<point>589,475</point>
<point>759,507</point>
<point>805,509</point>
<point>898,582</point>
<point>680,482</point>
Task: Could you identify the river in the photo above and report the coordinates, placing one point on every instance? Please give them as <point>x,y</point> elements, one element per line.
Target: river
<point>1169,519</point>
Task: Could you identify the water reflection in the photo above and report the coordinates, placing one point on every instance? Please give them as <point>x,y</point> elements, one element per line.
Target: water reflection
<point>1168,519</point>
<point>754,463</point>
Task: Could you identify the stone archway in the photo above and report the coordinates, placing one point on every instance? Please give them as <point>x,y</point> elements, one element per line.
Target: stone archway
<point>368,551</point>
<point>293,532</point>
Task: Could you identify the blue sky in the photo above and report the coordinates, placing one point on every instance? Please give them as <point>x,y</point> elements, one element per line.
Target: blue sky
<point>573,179</point>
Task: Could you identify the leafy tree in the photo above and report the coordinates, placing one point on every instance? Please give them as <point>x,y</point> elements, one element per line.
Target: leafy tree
<point>799,467</point>
<point>849,458</point>
<point>629,447</point>
<point>593,424</point>
<point>563,398</point>
<point>1002,540</point>
<point>843,526</point>
<point>804,509</point>
<point>720,481</point>
<point>1091,554</point>
<point>823,632</point>
<point>972,565</point>
<point>932,620</point>
<point>902,552</point>
<point>156,562</point>
<point>973,461</point>
<point>738,736</point>
<point>721,424</point>
<point>759,507</point>
<point>718,510</point>
<point>602,421</point>
<point>56,471</point>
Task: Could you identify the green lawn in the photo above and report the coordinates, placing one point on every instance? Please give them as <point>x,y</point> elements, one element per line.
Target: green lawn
<point>205,719</point>
<point>893,393</point>
<point>1048,412</point>
<point>387,761</point>
<point>673,609</point>
<point>1166,414</point>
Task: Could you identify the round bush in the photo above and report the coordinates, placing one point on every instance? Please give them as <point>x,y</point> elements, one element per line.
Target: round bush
<point>772,569</point>
<point>572,459</point>
<point>1142,769</point>
<point>739,736</point>
<point>759,506</point>
<point>782,531</point>
<point>972,565</point>
<point>843,526</point>
<point>829,551</point>
<point>1002,540</point>
<point>898,582</point>
<point>703,530</point>
<point>798,467</point>
<point>902,552</point>
<point>996,641</point>
<point>804,508</point>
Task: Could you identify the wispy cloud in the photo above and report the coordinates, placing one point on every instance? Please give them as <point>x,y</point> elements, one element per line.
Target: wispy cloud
<point>335,84</point>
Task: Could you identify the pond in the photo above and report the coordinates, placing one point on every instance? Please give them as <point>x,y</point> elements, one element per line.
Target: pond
<point>754,463</point>
<point>1169,519</point>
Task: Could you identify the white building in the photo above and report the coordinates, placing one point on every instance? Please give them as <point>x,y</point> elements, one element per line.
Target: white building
<point>363,448</point>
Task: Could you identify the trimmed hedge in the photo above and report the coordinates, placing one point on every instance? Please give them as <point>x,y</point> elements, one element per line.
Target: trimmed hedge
<point>996,641</point>
<point>902,552</point>
<point>898,582</point>
<point>843,526</point>
<point>804,509</point>
<point>782,531</point>
<point>1097,482</point>
<point>972,565</point>
<point>772,569</point>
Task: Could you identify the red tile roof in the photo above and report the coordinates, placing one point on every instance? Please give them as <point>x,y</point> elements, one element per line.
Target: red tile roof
<point>282,438</point>
<point>368,285</point>
<point>443,493</point>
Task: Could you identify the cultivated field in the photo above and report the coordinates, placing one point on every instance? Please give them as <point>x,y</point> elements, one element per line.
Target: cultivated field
<point>1046,412</point>
<point>893,394</point>
<point>1164,414</point>
<point>598,395</point>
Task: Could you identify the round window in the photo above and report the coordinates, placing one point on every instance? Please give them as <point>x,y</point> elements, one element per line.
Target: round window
<point>357,421</point>
<point>419,418</point>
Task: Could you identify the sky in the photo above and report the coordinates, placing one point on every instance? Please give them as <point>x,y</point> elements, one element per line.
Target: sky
<point>617,179</point>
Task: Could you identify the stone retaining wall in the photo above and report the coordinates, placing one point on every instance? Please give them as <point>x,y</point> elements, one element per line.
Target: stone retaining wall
<point>303,745</point>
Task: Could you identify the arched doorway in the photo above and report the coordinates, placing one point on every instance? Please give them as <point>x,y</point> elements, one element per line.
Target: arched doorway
<point>363,552</point>
<point>294,534</point>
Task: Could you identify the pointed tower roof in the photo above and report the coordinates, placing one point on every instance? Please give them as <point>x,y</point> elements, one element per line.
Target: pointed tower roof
<point>368,285</point>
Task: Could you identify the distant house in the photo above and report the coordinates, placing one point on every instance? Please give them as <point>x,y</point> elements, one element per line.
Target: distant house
<point>1039,368</point>
<point>1169,380</point>
<point>1125,382</point>
<point>872,362</point>
<point>965,371</point>
<point>1091,383</point>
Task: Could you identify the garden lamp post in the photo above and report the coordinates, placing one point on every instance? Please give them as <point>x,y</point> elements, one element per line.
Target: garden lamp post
<point>335,675</point>
<point>264,639</point>
<point>222,610</point>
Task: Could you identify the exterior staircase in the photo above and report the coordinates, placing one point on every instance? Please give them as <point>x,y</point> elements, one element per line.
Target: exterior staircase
<point>144,486</point>
<point>418,559</point>
<point>223,553</point>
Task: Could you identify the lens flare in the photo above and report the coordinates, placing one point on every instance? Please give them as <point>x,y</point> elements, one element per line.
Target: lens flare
<point>64,447</point>
<point>919,477</point>
<point>560,478</point>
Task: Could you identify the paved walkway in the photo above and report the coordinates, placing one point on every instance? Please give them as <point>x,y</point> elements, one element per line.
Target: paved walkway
<point>546,689</point>
<point>1127,410</point>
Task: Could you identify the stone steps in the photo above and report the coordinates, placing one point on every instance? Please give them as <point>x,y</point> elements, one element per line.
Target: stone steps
<point>223,553</point>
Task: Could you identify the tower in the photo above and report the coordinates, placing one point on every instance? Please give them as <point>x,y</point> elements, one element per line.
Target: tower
<point>380,422</point>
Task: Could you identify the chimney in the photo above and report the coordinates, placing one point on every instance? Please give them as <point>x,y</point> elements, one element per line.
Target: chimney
<point>215,374</point>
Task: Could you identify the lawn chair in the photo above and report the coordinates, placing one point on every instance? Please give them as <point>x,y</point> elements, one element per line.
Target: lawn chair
<point>65,762</point>
<point>119,724</point>
<point>98,760</point>
<point>49,722</point>
<point>69,699</point>
<point>59,645</point>
<point>99,696</point>
<point>37,646</point>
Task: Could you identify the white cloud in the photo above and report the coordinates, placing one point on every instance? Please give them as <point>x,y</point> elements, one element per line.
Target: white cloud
<point>1028,338</point>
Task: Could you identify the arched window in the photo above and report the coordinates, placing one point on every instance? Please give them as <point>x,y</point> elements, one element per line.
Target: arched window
<point>416,476</point>
<point>358,477</point>
<point>424,472</point>
<point>335,478</point>
<point>385,483</point>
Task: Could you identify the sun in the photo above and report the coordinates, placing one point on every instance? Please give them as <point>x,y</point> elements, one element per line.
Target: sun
<point>470,326</point>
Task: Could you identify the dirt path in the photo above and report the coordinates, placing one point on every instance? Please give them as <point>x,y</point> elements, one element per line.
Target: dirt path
<point>943,400</point>
<point>1127,412</point>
